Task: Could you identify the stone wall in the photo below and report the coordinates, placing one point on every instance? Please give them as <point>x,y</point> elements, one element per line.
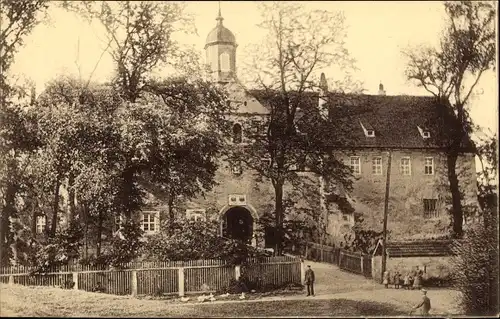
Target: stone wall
<point>406,210</point>
<point>437,267</point>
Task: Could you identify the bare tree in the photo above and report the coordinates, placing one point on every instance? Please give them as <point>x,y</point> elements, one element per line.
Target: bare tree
<point>139,36</point>
<point>295,134</point>
<point>451,73</point>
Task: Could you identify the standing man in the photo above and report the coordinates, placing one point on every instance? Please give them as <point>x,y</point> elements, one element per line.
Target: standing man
<point>310,281</point>
<point>425,304</point>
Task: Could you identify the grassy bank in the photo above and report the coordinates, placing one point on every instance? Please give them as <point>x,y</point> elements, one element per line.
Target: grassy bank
<point>54,302</point>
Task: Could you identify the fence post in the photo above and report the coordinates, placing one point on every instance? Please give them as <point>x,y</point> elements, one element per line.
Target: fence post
<point>237,272</point>
<point>11,280</point>
<point>302,272</point>
<point>362,266</point>
<point>75,280</point>
<point>134,283</point>
<point>181,281</point>
<point>374,274</point>
<point>340,259</point>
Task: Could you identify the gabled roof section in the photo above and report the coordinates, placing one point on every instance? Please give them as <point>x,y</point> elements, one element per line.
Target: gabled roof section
<point>393,118</point>
<point>247,104</point>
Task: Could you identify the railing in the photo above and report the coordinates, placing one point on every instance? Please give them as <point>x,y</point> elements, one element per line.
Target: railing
<point>353,262</point>
<point>162,278</point>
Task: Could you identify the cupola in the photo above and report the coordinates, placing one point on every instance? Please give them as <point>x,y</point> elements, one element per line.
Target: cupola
<point>220,48</point>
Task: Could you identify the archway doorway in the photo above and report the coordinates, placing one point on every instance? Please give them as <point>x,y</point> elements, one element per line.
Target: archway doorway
<point>238,224</point>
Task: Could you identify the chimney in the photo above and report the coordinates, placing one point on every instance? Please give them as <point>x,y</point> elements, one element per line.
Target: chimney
<point>381,90</point>
<point>323,90</point>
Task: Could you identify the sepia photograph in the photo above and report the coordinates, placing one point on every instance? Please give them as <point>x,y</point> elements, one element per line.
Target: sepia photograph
<point>249,159</point>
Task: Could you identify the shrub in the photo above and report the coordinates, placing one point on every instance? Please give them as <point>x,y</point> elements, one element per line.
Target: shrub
<point>56,251</point>
<point>444,281</point>
<point>186,240</point>
<point>475,271</point>
<point>124,247</point>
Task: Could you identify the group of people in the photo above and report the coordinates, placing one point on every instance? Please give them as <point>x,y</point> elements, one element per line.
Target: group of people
<point>412,279</point>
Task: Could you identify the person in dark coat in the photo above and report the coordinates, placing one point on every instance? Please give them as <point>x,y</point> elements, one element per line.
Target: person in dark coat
<point>310,281</point>
<point>397,279</point>
<point>424,304</point>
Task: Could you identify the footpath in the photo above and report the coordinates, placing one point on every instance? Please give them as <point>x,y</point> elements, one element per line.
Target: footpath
<point>333,283</point>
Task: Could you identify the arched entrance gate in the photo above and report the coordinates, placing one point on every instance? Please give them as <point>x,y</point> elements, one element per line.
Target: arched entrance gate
<point>238,222</point>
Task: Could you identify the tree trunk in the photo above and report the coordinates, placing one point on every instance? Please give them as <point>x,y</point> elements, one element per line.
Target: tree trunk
<point>71,198</point>
<point>99,236</point>
<point>278,191</point>
<point>171,215</point>
<point>85,212</point>
<point>8,211</point>
<point>55,209</point>
<point>457,213</point>
<point>127,190</point>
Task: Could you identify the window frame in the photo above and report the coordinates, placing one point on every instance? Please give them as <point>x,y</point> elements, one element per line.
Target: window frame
<point>225,62</point>
<point>196,214</point>
<point>359,164</point>
<point>39,226</point>
<point>427,166</point>
<point>430,208</point>
<point>402,166</point>
<point>155,222</point>
<point>374,165</point>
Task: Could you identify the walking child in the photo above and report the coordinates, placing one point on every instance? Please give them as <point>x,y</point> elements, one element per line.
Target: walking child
<point>386,279</point>
<point>406,282</point>
<point>396,279</point>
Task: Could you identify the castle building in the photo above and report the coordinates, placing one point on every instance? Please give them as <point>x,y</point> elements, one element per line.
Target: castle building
<point>409,128</point>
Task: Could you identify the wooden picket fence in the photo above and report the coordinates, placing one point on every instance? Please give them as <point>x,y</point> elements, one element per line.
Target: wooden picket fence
<point>150,278</point>
<point>353,262</point>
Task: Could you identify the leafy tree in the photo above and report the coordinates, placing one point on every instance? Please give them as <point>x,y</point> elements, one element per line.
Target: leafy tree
<point>141,38</point>
<point>294,134</point>
<point>177,156</point>
<point>18,19</point>
<point>476,262</point>
<point>488,190</point>
<point>476,268</point>
<point>451,73</point>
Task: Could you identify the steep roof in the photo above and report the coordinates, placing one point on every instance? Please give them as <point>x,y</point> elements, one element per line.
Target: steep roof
<point>395,119</point>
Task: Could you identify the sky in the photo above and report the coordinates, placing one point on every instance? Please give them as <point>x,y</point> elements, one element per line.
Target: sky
<point>377,31</point>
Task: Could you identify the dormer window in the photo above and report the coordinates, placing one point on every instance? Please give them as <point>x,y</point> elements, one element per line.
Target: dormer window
<point>367,129</point>
<point>423,132</point>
